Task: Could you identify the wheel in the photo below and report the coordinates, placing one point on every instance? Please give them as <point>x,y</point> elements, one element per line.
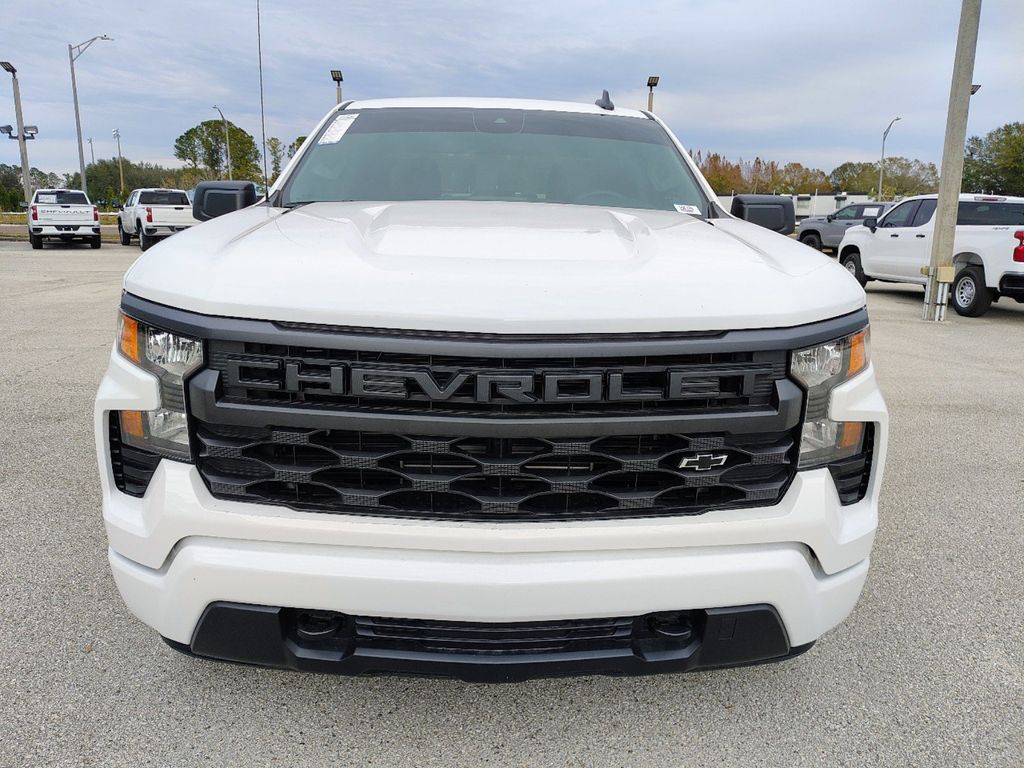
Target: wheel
<point>145,241</point>
<point>36,241</point>
<point>971,297</point>
<point>813,239</point>
<point>94,242</point>
<point>123,236</point>
<point>851,262</point>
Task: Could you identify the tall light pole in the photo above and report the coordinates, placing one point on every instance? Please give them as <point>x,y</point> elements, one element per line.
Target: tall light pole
<point>74,51</point>
<point>227,139</point>
<point>337,78</point>
<point>116,133</point>
<point>92,152</point>
<point>26,180</point>
<point>652,83</point>
<point>881,163</point>
<point>940,267</point>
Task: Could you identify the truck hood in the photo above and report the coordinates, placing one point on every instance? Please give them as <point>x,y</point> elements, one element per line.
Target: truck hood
<point>494,268</point>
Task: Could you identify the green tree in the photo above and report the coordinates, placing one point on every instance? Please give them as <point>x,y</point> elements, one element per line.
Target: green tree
<point>294,146</point>
<point>202,149</point>
<point>995,162</point>
<point>276,149</point>
<point>854,177</point>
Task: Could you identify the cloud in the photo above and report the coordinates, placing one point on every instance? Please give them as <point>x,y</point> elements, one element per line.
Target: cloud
<point>786,80</point>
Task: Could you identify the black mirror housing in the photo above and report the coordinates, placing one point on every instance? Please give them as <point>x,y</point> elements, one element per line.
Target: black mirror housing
<point>829,218</point>
<point>774,212</point>
<point>871,222</point>
<point>215,198</point>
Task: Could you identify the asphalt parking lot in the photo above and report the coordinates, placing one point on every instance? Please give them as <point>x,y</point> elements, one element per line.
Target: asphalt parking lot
<point>929,670</point>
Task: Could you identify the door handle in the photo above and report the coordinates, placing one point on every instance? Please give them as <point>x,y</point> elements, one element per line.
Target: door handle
<point>894,235</point>
<point>918,235</point>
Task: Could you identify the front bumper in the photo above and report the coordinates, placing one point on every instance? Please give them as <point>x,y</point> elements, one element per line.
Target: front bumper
<point>178,550</point>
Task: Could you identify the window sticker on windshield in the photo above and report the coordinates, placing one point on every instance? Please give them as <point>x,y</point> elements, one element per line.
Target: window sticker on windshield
<point>693,210</point>
<point>46,198</point>
<point>337,129</point>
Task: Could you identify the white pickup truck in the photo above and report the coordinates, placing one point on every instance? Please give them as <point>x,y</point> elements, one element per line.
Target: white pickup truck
<point>64,214</point>
<point>490,388</point>
<point>153,214</point>
<point>988,248</point>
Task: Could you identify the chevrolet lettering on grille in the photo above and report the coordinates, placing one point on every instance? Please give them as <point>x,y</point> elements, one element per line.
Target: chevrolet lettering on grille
<point>485,386</point>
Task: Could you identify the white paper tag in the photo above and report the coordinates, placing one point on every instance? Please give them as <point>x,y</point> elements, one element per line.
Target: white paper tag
<point>337,129</point>
<point>691,209</point>
<point>46,198</point>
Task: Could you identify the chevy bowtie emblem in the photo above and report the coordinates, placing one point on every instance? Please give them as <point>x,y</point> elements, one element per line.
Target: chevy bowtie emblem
<point>702,462</point>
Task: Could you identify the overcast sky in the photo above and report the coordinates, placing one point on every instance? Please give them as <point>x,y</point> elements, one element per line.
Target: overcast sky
<point>815,82</point>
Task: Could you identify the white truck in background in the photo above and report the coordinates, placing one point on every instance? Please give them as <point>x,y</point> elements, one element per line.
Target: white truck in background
<point>153,214</point>
<point>988,248</point>
<point>64,214</point>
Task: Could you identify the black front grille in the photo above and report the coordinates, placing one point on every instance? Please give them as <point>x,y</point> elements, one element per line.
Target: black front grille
<point>133,468</point>
<point>322,378</point>
<point>492,639</point>
<point>484,478</point>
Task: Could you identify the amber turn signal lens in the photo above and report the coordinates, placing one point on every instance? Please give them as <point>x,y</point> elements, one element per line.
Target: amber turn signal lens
<point>128,337</point>
<point>131,424</point>
<point>852,434</point>
<point>858,353</point>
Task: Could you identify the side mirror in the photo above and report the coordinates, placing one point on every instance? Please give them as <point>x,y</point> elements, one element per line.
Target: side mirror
<point>215,198</point>
<point>830,218</point>
<point>871,222</point>
<point>773,212</point>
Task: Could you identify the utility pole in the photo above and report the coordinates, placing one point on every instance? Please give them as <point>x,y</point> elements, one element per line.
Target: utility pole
<point>652,83</point>
<point>337,78</point>
<point>881,163</point>
<point>74,51</point>
<point>227,139</point>
<point>116,133</point>
<point>26,179</point>
<point>940,268</point>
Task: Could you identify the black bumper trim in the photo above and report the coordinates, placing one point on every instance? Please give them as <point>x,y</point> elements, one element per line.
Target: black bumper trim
<point>263,635</point>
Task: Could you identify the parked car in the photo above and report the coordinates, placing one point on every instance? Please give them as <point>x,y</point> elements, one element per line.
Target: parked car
<point>827,231</point>
<point>988,248</point>
<point>62,214</point>
<point>493,389</point>
<point>153,214</point>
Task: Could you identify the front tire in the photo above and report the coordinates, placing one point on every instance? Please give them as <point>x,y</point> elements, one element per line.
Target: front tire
<point>124,237</point>
<point>851,263</point>
<point>36,241</point>
<point>812,239</point>
<point>971,297</point>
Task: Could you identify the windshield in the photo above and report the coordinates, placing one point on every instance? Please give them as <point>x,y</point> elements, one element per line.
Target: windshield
<point>163,198</point>
<point>62,198</point>
<point>495,154</point>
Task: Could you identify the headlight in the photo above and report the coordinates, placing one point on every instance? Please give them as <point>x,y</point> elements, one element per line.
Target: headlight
<point>172,358</point>
<point>820,369</point>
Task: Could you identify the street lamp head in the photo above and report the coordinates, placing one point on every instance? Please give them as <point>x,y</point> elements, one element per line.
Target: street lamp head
<point>116,133</point>
<point>8,67</point>
<point>31,131</point>
<point>7,130</point>
<point>652,81</point>
<point>104,37</point>
<point>336,75</point>
<point>975,88</point>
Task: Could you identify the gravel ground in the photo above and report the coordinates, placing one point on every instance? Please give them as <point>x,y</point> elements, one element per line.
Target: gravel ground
<point>927,671</point>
